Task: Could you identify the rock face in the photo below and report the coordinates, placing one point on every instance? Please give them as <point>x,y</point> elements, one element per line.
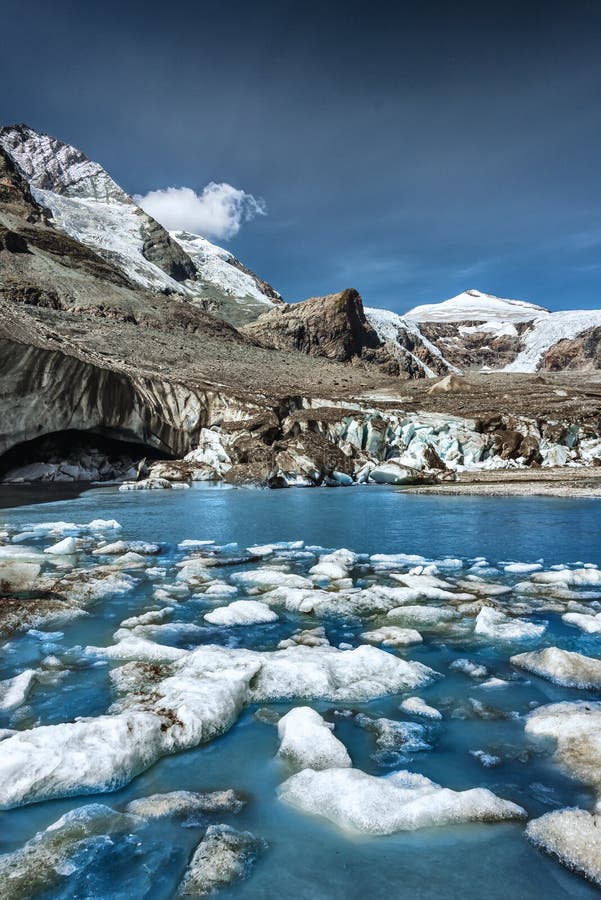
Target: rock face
<point>581,354</point>
<point>334,326</point>
<point>338,327</point>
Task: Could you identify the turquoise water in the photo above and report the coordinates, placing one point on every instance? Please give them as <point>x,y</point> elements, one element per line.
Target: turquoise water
<point>309,857</point>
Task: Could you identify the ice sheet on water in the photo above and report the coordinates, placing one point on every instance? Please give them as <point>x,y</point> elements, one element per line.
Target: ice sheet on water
<point>416,706</point>
<point>403,801</point>
<point>307,742</point>
<point>223,857</point>
<point>562,667</point>
<point>241,612</point>
<point>573,836</point>
<point>492,623</point>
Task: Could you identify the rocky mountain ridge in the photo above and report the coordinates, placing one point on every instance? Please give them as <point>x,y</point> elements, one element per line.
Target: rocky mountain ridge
<point>479,331</point>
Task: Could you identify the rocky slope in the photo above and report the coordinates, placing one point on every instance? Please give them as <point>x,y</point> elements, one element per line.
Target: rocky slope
<point>479,331</point>
<point>338,327</point>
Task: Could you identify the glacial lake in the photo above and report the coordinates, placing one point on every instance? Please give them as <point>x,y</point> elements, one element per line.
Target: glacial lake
<point>308,856</point>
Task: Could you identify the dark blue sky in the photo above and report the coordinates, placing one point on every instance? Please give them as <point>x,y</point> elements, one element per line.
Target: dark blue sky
<point>411,150</point>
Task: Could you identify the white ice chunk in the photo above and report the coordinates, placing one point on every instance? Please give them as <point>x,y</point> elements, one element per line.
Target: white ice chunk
<point>588,623</point>
<point>393,560</point>
<point>241,612</point>
<point>307,742</point>
<point>67,547</point>
<point>573,836</point>
<point>575,727</point>
<point>474,670</point>
<point>266,579</point>
<point>392,636</point>
<point>562,667</point>
<point>569,577</point>
<point>492,623</point>
<point>84,757</point>
<point>404,801</point>
<point>423,616</point>
<point>14,691</point>
<point>333,566</point>
<point>518,568</point>
<point>418,707</point>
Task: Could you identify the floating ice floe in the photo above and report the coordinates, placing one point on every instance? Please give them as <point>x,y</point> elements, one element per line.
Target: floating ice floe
<point>47,860</point>
<point>492,623</point>
<point>333,566</point>
<point>423,616</point>
<point>20,554</point>
<point>518,568</point>
<point>488,760</point>
<point>14,691</point>
<point>392,636</point>
<point>394,739</point>
<point>591,624</point>
<point>195,698</point>
<point>394,560</point>
<point>418,707</point>
<point>151,484</point>
<point>185,803</point>
<point>577,577</point>
<point>152,617</point>
<point>260,580</point>
<point>116,548</point>
<point>83,757</point>
<point>573,836</point>
<point>575,728</point>
<point>562,667</point>
<point>18,576</point>
<point>307,742</point>
<point>241,612</point>
<point>493,684</point>
<point>66,547</point>
<point>224,856</point>
<point>87,586</point>
<point>468,667</point>
<point>55,529</point>
<point>404,801</point>
<point>431,587</point>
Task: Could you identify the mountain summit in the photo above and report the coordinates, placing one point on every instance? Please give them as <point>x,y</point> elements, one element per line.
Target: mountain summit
<point>476,306</point>
<point>89,206</point>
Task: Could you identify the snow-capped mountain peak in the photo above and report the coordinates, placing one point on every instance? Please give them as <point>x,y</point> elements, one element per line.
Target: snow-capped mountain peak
<point>51,165</point>
<point>87,204</point>
<point>476,306</point>
<point>216,265</point>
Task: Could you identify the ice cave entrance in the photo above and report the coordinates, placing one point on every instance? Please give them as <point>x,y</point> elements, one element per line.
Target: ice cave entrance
<point>66,456</point>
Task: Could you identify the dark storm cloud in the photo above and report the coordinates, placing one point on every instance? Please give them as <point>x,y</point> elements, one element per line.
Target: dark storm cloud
<point>410,150</point>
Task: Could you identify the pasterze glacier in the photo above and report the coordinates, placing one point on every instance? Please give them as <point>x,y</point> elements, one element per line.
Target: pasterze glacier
<point>300,452</point>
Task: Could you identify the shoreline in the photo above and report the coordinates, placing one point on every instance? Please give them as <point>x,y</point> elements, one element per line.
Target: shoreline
<point>576,483</point>
<point>27,494</point>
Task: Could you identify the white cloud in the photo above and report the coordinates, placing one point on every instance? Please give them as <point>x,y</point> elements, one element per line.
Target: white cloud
<point>217,212</point>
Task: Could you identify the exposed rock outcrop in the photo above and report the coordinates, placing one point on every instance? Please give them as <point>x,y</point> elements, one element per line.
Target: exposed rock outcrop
<point>334,326</point>
<point>581,354</point>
